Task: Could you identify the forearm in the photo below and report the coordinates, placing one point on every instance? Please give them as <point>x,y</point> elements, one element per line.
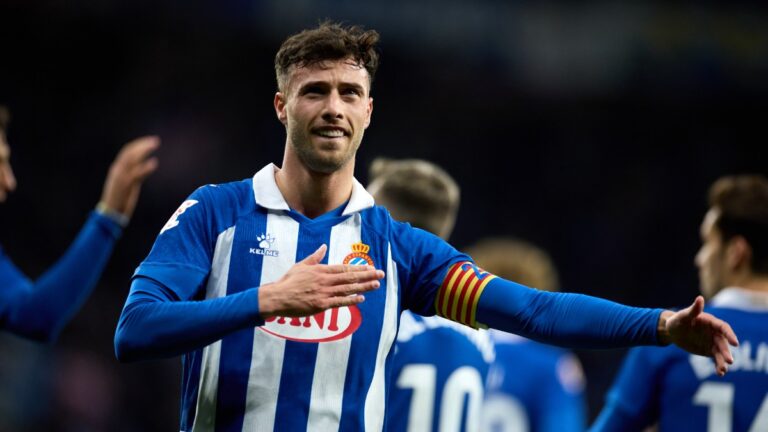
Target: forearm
<point>41,309</point>
<point>155,325</point>
<point>570,320</point>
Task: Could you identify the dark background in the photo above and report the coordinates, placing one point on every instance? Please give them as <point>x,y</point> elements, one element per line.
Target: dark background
<point>590,128</point>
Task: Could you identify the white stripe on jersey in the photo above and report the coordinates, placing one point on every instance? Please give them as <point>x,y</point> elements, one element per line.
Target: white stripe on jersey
<point>332,357</point>
<point>268,350</point>
<point>205,413</point>
<point>375,401</point>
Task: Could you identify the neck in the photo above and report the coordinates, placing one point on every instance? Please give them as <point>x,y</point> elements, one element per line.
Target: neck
<point>750,281</point>
<point>313,193</point>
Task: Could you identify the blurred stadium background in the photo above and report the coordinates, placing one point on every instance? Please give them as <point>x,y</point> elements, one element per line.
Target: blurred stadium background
<point>591,128</point>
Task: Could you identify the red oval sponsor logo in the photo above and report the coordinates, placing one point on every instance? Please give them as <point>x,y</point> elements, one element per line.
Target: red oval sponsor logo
<point>330,325</point>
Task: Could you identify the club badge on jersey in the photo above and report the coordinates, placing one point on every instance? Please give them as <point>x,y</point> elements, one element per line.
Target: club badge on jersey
<point>359,255</point>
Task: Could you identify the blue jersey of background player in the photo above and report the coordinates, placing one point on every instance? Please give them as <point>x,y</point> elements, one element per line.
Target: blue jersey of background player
<point>439,371</point>
<point>439,368</point>
<point>531,386</point>
<point>681,391</point>
<point>39,309</point>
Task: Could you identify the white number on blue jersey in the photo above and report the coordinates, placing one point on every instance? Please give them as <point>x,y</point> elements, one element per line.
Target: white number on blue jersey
<point>464,383</point>
<point>719,398</point>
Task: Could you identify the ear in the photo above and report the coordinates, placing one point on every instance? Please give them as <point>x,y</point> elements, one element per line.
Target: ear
<point>738,253</point>
<point>369,112</point>
<point>279,102</point>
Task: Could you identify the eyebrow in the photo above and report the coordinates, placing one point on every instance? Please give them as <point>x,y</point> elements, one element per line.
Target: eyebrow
<point>325,85</point>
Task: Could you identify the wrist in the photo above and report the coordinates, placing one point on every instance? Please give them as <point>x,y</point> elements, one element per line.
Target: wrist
<point>264,303</point>
<point>663,336</point>
<point>105,210</point>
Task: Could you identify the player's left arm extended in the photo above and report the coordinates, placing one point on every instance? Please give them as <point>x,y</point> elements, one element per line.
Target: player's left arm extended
<point>39,309</point>
<point>476,298</point>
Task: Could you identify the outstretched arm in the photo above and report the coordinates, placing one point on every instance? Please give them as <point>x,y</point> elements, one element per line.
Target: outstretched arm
<point>156,323</point>
<point>40,309</point>
<point>476,298</point>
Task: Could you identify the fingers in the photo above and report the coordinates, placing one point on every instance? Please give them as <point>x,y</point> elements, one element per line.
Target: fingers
<point>696,308</point>
<point>728,333</point>
<point>139,149</point>
<point>346,268</point>
<point>720,365</point>
<point>721,346</point>
<point>316,257</point>
<point>353,275</point>
<point>145,169</point>
<point>345,301</point>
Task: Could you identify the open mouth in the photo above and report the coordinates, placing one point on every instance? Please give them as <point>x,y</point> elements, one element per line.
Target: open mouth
<point>330,132</point>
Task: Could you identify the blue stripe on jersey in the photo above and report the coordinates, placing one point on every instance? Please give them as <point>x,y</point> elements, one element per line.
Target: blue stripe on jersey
<point>362,353</point>
<point>235,363</point>
<point>190,385</point>
<point>296,381</point>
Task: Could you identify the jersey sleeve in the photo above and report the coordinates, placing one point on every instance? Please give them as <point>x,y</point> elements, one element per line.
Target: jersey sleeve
<point>564,319</point>
<point>427,259</point>
<point>632,403</point>
<point>39,309</point>
<point>181,257</point>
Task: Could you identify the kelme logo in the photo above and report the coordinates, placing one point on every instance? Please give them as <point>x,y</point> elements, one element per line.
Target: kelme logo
<point>330,325</point>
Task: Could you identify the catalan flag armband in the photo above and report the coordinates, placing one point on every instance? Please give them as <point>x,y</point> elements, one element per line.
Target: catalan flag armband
<point>459,294</point>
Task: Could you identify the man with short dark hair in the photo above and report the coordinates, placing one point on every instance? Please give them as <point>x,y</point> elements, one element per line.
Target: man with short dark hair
<point>283,291</point>
<point>682,391</point>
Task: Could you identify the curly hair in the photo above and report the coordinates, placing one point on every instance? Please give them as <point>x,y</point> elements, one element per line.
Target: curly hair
<point>329,41</point>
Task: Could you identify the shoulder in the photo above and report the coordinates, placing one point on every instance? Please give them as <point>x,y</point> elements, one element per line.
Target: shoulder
<point>216,206</point>
<point>413,325</point>
<point>238,192</point>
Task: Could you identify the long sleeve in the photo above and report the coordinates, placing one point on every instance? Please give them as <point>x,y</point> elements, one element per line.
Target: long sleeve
<point>569,320</point>
<point>155,323</point>
<point>633,400</point>
<point>40,309</point>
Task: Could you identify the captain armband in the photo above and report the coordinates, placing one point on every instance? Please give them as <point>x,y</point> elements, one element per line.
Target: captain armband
<point>460,292</point>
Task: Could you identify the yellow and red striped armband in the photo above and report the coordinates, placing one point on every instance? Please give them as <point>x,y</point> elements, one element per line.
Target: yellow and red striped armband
<point>459,294</point>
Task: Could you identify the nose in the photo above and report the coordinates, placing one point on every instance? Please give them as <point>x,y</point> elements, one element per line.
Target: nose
<point>7,180</point>
<point>698,260</point>
<point>332,110</point>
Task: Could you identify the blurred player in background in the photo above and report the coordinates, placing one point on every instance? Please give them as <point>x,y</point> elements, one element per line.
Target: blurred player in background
<point>283,291</point>
<point>39,309</point>
<point>531,386</point>
<point>439,367</point>
<point>680,391</point>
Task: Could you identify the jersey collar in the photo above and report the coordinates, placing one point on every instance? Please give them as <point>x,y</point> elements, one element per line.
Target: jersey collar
<point>267,194</point>
<point>742,299</point>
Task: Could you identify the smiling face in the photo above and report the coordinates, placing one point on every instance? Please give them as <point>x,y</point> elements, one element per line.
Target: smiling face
<point>325,108</point>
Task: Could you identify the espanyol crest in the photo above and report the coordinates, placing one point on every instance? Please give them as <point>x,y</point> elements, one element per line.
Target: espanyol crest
<point>359,255</point>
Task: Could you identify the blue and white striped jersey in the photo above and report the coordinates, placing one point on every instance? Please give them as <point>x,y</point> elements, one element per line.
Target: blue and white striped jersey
<point>681,391</point>
<point>439,372</point>
<point>533,387</point>
<point>325,372</point>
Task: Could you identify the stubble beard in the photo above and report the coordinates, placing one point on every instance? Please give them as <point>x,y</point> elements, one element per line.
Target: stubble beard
<point>314,159</point>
